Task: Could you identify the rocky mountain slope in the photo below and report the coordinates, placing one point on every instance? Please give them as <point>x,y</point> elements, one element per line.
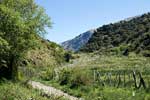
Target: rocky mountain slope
<point>79,41</point>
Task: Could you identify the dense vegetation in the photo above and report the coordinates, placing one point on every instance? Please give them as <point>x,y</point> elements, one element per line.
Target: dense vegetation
<point>45,56</point>
<point>78,77</point>
<point>21,22</point>
<point>25,55</point>
<point>133,34</point>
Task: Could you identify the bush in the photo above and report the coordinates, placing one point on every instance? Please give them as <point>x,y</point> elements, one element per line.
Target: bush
<point>64,76</point>
<point>146,53</point>
<point>80,78</point>
<point>48,74</point>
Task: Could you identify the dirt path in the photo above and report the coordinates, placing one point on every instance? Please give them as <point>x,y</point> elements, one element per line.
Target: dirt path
<point>51,90</point>
<point>58,93</point>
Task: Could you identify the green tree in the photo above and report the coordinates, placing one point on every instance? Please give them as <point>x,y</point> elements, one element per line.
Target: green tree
<point>21,22</point>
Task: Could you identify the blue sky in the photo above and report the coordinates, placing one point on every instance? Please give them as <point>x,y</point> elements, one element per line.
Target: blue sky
<point>73,17</point>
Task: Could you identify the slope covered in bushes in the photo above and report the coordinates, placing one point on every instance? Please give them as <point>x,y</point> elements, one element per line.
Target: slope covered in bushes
<point>133,34</point>
<point>46,53</point>
<point>45,56</point>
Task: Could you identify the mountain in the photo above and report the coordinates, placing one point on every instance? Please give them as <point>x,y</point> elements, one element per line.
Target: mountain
<point>132,34</point>
<point>79,41</point>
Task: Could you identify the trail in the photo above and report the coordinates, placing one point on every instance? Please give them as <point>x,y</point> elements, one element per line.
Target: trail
<point>51,90</point>
<point>58,93</point>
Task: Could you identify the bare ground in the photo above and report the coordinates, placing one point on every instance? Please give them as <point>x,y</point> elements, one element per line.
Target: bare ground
<point>52,91</point>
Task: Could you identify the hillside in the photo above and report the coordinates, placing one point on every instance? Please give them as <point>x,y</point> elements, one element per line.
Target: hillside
<point>79,41</point>
<point>44,56</point>
<point>133,34</point>
<point>46,53</point>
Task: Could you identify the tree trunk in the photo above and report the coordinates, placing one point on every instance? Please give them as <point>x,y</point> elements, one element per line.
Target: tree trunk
<point>13,68</point>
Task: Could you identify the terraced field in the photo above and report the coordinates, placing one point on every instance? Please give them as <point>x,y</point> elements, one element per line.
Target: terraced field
<point>104,77</point>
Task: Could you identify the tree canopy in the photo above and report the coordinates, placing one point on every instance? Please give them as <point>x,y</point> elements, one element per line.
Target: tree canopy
<point>21,22</point>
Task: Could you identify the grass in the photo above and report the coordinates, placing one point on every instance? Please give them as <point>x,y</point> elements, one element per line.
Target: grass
<point>18,91</point>
<point>36,61</point>
<point>77,78</point>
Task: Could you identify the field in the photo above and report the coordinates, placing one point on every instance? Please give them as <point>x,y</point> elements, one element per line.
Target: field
<point>89,76</point>
<point>103,77</point>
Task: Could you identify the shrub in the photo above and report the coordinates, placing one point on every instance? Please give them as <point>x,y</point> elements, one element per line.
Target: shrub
<point>80,78</point>
<point>64,76</point>
<point>48,74</point>
<point>146,53</point>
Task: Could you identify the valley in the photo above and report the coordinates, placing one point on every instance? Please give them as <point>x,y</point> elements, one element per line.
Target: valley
<point>111,62</point>
<point>90,80</point>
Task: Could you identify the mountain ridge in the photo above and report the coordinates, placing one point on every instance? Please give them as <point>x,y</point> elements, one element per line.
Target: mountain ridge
<point>76,43</point>
<point>133,34</point>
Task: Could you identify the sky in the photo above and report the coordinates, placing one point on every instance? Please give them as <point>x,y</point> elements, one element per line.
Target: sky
<point>73,17</point>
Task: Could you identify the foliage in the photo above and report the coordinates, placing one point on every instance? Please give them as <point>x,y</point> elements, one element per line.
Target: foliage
<point>134,32</point>
<point>48,74</point>
<point>146,53</point>
<point>40,61</point>
<point>21,21</point>
<point>119,50</point>
<point>78,78</point>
